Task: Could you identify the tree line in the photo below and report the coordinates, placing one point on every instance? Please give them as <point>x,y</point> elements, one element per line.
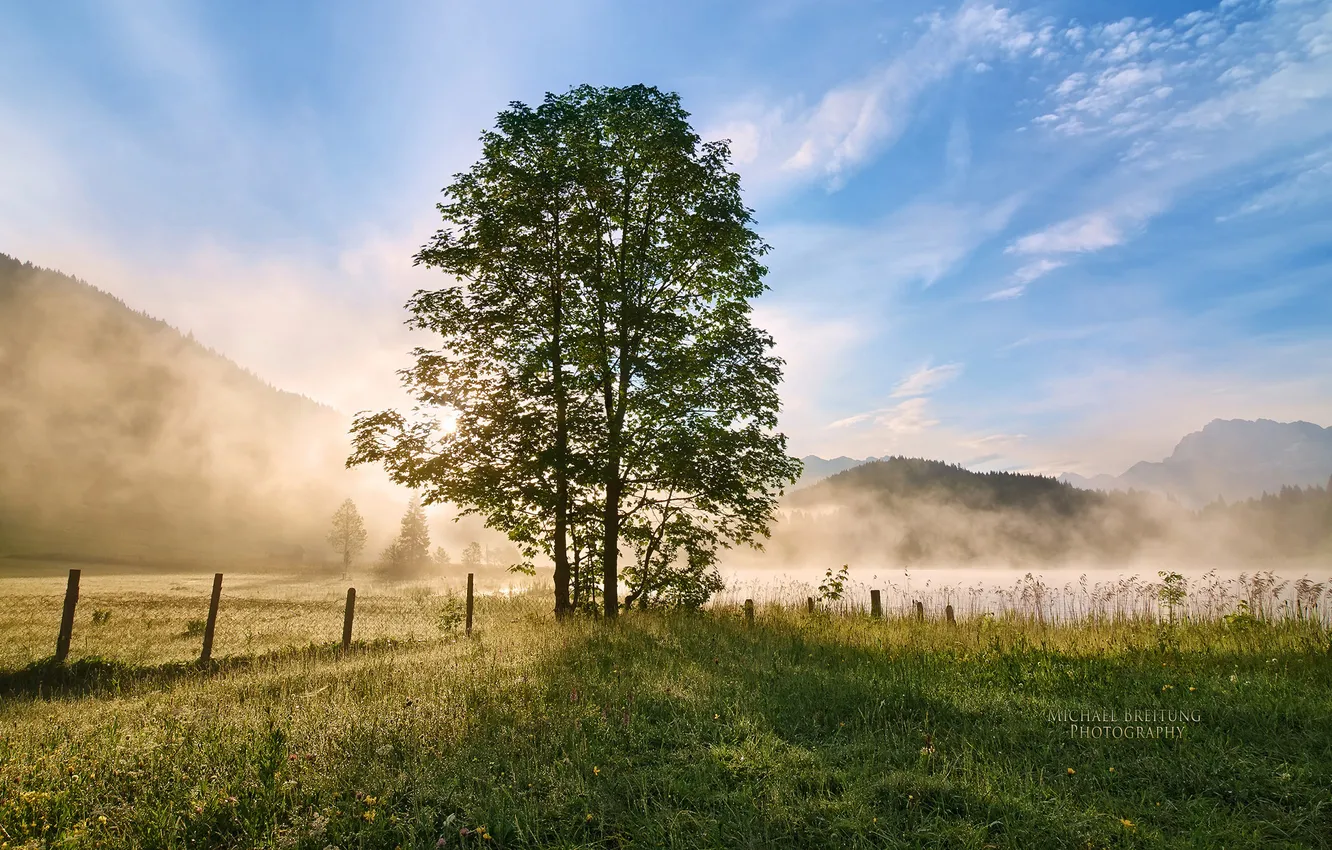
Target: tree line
<point>595,381</point>
<point>408,555</point>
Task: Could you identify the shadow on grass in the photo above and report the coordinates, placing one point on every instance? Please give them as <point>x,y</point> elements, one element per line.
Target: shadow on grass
<point>801,739</point>
<point>103,677</point>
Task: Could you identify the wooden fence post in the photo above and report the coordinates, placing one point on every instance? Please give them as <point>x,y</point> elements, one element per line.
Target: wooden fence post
<point>67,617</point>
<point>210,627</point>
<point>347,616</point>
<point>469,604</point>
<point>749,612</point>
<point>920,611</point>
<point>876,605</point>
<point>809,603</point>
<point>948,615</point>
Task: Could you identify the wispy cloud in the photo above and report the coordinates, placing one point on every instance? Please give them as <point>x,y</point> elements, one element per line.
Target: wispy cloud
<point>1189,100</point>
<point>1086,233</point>
<point>1024,276</point>
<point>1006,294</point>
<point>908,417</point>
<point>920,243</point>
<point>926,380</point>
<point>912,414</point>
<point>855,121</point>
<point>1306,181</point>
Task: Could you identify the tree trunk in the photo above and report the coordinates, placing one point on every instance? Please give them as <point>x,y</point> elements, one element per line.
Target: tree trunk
<point>562,606</point>
<point>645,587</point>
<point>610,575</point>
<point>577,577</point>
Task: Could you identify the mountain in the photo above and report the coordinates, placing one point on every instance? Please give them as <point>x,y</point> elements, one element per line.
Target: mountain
<point>1231,459</point>
<point>817,468</point>
<point>124,438</point>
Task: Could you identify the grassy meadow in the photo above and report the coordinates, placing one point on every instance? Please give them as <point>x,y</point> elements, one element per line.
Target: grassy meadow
<point>683,730</point>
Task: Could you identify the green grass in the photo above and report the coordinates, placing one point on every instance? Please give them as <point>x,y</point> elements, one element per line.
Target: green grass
<point>659,731</point>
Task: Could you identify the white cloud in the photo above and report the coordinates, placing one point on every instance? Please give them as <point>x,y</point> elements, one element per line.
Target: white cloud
<point>1086,233</point>
<point>926,380</point>
<point>908,417</point>
<point>1031,271</point>
<point>1023,277</point>
<point>853,122</point>
<point>995,441</point>
<point>1139,76</point>
<point>1006,294</point>
<point>1214,93</point>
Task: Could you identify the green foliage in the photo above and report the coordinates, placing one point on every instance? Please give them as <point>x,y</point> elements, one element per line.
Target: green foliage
<point>1173,591</point>
<point>833,586</point>
<point>596,377</point>
<point>451,614</point>
<point>1241,620</point>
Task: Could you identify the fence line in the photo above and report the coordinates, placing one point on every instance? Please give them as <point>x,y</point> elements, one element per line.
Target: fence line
<point>1257,597</point>
<point>66,634</point>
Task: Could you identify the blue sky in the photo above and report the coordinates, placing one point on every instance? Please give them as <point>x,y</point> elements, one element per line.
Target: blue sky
<point>1051,236</point>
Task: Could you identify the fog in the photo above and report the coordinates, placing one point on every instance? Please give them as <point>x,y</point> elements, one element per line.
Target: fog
<point>988,560</point>
<point>125,441</point>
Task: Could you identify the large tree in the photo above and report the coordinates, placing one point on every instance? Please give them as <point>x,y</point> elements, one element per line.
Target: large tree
<point>499,367</point>
<point>347,536</point>
<point>597,366</point>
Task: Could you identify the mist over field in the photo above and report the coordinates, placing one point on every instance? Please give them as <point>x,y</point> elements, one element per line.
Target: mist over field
<point>127,441</point>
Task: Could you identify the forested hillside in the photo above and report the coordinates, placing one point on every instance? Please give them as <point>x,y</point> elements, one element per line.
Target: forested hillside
<point>123,438</point>
<point>905,511</point>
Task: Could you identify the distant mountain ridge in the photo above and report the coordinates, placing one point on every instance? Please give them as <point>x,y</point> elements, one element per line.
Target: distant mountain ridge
<point>1231,459</point>
<point>817,468</point>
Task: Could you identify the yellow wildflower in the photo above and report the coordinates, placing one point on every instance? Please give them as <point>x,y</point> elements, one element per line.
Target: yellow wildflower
<point>1071,771</point>
<point>1128,824</point>
<point>596,771</point>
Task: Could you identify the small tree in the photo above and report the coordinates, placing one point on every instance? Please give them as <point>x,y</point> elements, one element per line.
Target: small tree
<point>1173,591</point>
<point>347,536</point>
<point>472,555</point>
<point>410,552</point>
